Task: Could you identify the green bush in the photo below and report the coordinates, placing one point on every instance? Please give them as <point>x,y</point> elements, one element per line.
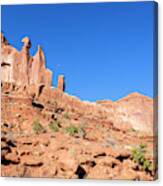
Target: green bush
<point>147,165</point>
<point>37,127</point>
<point>54,126</point>
<point>138,156</point>
<point>73,130</point>
<point>143,147</point>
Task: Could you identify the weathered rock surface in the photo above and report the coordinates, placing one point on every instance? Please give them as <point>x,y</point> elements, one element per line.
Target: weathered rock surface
<point>135,110</point>
<point>22,69</point>
<point>101,149</point>
<point>48,133</point>
<point>61,83</point>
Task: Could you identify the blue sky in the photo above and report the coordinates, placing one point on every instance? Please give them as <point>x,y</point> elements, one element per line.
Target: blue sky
<point>105,50</point>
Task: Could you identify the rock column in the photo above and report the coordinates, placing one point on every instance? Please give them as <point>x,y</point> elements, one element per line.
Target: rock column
<point>61,83</point>
<point>23,65</point>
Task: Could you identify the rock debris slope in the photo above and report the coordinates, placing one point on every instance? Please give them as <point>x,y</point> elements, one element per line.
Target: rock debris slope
<point>48,133</point>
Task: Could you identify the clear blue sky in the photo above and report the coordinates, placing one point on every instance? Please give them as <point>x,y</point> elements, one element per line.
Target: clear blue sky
<point>105,50</point>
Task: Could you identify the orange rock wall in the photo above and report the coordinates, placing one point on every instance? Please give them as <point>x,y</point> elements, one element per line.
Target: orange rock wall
<point>22,69</point>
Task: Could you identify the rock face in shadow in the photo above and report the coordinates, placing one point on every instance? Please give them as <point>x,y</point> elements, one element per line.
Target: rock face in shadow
<point>22,69</point>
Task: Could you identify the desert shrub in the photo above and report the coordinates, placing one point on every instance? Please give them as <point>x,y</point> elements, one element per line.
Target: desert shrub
<point>73,130</point>
<point>37,127</point>
<point>66,115</point>
<point>143,147</point>
<point>147,165</point>
<point>138,156</point>
<point>54,126</point>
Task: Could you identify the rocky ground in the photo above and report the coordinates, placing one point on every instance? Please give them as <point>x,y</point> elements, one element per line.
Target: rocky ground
<point>52,134</point>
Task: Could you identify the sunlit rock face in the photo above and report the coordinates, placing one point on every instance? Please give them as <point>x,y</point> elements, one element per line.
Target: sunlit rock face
<point>61,83</point>
<point>22,69</point>
<point>135,110</point>
<point>75,138</point>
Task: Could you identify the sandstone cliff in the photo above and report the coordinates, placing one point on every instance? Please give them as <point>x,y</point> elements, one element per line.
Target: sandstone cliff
<point>22,69</point>
<point>135,109</point>
<point>49,133</point>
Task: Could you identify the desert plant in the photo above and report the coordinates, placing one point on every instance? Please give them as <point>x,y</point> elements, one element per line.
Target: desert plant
<point>73,130</point>
<point>143,147</point>
<point>138,156</point>
<point>66,115</point>
<point>37,127</point>
<point>147,165</point>
<point>54,126</point>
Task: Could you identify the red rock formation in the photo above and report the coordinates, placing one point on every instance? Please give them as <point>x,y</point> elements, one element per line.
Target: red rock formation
<point>23,76</point>
<point>8,60</point>
<point>134,109</point>
<point>100,150</point>
<point>3,40</point>
<point>78,139</point>
<point>21,68</point>
<point>61,83</point>
<point>38,74</point>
